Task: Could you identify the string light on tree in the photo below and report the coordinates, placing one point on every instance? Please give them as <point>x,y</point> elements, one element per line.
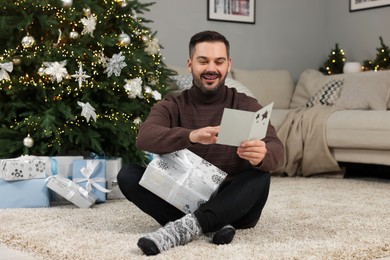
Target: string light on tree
<point>102,51</point>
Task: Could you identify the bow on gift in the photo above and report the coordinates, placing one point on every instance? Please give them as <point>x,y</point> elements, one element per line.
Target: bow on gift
<point>87,172</point>
<point>4,69</point>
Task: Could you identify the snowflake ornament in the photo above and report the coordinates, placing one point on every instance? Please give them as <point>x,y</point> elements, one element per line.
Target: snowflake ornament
<point>134,87</point>
<point>115,65</point>
<point>89,25</point>
<point>87,111</point>
<point>80,76</point>
<point>56,70</point>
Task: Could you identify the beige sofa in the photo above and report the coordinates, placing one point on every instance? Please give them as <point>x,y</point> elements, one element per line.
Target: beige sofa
<point>358,131</point>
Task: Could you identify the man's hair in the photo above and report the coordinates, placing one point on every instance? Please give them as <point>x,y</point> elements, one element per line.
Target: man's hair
<point>208,36</point>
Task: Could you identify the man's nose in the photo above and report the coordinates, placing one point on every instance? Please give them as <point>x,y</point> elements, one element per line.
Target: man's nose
<point>211,66</point>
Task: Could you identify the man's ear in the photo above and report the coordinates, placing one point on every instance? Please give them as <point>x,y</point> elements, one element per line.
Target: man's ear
<point>189,65</point>
<point>230,64</point>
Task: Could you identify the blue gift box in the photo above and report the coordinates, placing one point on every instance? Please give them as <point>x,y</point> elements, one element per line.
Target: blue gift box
<point>31,193</point>
<point>91,175</point>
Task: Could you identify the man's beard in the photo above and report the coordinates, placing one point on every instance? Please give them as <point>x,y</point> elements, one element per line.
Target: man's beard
<point>199,84</point>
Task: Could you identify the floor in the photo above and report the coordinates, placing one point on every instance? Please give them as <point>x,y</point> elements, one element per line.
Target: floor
<point>7,253</point>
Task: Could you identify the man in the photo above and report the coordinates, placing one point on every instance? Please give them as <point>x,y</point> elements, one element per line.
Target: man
<point>191,120</point>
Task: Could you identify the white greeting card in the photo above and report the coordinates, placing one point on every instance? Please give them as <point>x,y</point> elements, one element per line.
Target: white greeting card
<point>239,125</point>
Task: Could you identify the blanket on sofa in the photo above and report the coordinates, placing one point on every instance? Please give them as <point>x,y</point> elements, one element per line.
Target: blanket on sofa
<point>304,136</point>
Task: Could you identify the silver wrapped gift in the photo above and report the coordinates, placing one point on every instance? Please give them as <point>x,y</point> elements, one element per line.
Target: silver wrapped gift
<point>22,168</point>
<point>71,191</point>
<point>183,179</point>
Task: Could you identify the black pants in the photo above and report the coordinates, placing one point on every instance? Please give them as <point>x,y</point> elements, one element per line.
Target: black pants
<point>239,201</point>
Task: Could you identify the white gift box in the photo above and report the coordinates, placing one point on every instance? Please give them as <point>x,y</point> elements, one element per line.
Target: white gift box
<point>113,166</point>
<point>22,168</point>
<point>60,165</point>
<point>183,179</point>
<point>71,191</point>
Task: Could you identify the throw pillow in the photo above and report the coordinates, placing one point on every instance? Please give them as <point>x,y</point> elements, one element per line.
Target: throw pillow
<point>327,95</point>
<point>366,90</point>
<point>182,81</point>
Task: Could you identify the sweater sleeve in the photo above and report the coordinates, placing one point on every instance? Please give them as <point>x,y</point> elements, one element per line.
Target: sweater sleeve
<point>156,134</point>
<point>275,151</point>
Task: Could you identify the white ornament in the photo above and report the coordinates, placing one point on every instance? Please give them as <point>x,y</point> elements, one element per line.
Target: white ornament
<point>28,41</point>
<point>103,59</point>
<point>134,87</point>
<point>115,65</point>
<point>67,3</point>
<point>4,69</point>
<point>137,121</point>
<point>87,11</point>
<point>80,76</point>
<point>156,95</point>
<point>56,70</point>
<point>89,25</point>
<point>124,39</point>
<point>74,35</point>
<point>28,141</point>
<point>152,46</point>
<point>87,111</point>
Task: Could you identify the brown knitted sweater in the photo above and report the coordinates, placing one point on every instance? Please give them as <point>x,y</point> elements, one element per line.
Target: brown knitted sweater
<point>171,120</point>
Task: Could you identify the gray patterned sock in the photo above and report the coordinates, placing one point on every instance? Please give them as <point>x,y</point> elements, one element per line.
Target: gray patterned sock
<point>173,234</point>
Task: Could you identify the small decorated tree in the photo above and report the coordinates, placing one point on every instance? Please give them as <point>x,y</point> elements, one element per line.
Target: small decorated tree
<point>76,77</point>
<point>335,62</point>
<point>382,60</point>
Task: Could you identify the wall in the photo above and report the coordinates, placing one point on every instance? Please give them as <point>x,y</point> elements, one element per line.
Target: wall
<point>357,32</point>
<point>293,35</point>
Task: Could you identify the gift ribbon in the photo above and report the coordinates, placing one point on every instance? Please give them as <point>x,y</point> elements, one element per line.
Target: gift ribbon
<point>4,69</point>
<point>87,172</point>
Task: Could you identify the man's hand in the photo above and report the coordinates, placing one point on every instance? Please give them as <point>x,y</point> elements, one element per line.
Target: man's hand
<point>253,151</point>
<point>205,135</point>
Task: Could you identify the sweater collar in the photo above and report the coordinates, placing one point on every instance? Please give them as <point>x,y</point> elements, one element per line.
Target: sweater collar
<point>216,97</point>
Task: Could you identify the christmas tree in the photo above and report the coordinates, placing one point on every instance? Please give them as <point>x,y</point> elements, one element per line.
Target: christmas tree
<point>382,60</point>
<point>76,77</point>
<point>335,63</point>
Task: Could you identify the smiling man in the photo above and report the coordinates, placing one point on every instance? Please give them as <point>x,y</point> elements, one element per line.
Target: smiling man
<point>191,120</point>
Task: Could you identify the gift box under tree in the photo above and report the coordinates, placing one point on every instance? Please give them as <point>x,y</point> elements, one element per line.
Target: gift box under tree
<point>91,175</point>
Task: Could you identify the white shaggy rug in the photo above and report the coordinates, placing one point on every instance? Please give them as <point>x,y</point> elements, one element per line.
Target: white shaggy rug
<point>304,218</point>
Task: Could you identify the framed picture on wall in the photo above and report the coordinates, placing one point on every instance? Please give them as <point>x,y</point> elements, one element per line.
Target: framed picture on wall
<point>240,11</point>
<point>357,5</point>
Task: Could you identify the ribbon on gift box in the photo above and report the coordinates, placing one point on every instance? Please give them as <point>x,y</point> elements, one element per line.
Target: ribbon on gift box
<point>87,172</point>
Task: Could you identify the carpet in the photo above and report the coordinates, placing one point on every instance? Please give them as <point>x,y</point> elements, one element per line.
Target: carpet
<point>304,218</point>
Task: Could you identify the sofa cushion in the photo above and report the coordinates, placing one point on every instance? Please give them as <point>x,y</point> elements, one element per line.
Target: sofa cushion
<point>359,129</point>
<point>311,81</point>
<point>327,95</point>
<point>268,85</point>
<point>368,90</point>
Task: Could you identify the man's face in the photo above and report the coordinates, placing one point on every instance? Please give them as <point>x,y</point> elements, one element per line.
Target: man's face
<point>209,65</point>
